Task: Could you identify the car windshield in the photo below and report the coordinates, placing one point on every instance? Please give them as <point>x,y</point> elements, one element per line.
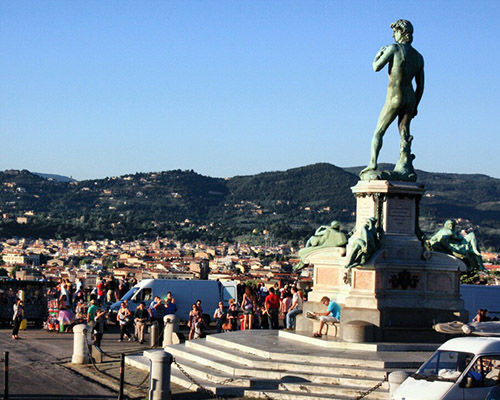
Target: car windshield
<point>129,294</point>
<point>444,366</point>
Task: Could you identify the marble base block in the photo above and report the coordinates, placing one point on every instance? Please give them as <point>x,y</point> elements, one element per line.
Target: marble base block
<point>403,288</point>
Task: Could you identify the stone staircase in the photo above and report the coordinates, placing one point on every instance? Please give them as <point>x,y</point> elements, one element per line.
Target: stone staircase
<point>281,365</point>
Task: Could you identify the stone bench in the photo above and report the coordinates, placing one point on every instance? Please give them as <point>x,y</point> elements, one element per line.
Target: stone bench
<point>334,324</point>
<point>316,324</point>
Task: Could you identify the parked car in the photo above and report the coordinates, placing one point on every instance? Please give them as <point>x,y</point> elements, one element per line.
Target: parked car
<point>461,369</point>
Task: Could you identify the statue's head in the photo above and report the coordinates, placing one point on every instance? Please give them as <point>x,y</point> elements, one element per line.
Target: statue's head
<point>450,224</point>
<point>335,225</point>
<point>403,31</point>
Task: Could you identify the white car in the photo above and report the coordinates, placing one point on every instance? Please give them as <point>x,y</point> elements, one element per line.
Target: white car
<point>461,369</point>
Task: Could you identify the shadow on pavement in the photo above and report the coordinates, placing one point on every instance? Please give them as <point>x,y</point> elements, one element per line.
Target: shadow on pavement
<point>58,396</point>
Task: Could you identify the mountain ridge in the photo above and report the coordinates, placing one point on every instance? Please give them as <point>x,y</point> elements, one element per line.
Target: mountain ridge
<point>290,204</point>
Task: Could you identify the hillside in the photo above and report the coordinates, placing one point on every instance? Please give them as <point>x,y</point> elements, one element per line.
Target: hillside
<point>290,204</point>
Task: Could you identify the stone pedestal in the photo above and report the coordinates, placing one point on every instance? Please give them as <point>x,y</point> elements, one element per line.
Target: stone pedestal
<point>403,289</point>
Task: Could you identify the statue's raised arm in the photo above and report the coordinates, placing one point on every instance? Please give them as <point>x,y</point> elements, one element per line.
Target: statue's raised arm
<point>405,64</point>
<point>383,57</point>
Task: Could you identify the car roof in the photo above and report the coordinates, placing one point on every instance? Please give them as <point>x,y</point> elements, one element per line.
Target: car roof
<point>476,345</point>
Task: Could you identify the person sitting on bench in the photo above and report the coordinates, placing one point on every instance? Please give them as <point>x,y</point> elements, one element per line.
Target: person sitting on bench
<point>331,315</point>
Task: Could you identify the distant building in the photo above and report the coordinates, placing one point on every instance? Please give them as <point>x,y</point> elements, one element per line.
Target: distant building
<point>16,259</point>
<point>28,274</point>
<point>13,259</point>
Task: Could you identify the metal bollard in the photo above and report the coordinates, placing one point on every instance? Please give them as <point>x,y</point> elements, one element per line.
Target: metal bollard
<point>6,376</point>
<point>153,335</point>
<point>122,377</point>
<point>80,352</point>
<point>160,363</point>
<point>396,378</point>
<point>171,326</point>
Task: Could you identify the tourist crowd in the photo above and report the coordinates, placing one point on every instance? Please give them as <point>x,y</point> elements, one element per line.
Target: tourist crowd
<point>256,307</point>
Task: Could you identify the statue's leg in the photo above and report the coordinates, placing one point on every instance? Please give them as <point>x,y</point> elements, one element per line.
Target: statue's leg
<point>404,164</point>
<point>472,240</point>
<point>387,116</point>
<point>404,126</point>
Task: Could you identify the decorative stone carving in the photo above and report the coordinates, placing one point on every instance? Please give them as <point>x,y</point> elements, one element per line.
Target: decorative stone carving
<point>404,280</point>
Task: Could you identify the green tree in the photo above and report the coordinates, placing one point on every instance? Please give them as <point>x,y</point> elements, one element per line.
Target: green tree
<point>470,278</point>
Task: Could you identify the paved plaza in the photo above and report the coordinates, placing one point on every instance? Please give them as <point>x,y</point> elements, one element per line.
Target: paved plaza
<point>40,368</point>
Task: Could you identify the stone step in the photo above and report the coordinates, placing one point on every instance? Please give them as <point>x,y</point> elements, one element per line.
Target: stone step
<point>240,352</point>
<point>200,371</point>
<point>339,390</point>
<point>137,361</point>
<point>364,369</point>
<point>176,376</point>
<point>338,344</point>
<point>270,345</point>
<point>197,365</point>
<point>262,364</point>
<point>288,395</point>
<point>211,373</point>
<point>180,379</point>
<point>261,389</point>
<point>321,357</point>
<point>273,391</point>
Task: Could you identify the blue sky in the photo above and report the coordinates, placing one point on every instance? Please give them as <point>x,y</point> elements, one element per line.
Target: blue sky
<point>102,88</point>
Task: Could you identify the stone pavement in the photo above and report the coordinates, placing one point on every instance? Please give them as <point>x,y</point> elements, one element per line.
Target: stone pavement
<point>136,381</point>
<point>36,368</point>
<point>41,363</point>
<point>136,385</point>
<point>40,368</point>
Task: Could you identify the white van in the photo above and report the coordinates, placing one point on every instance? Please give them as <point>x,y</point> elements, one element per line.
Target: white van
<point>461,369</point>
<point>185,292</point>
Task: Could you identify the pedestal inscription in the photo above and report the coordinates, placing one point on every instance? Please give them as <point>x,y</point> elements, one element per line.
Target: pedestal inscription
<point>400,215</point>
<point>365,209</point>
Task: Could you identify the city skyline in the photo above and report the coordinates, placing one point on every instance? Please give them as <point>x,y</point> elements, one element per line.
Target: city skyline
<point>238,88</point>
